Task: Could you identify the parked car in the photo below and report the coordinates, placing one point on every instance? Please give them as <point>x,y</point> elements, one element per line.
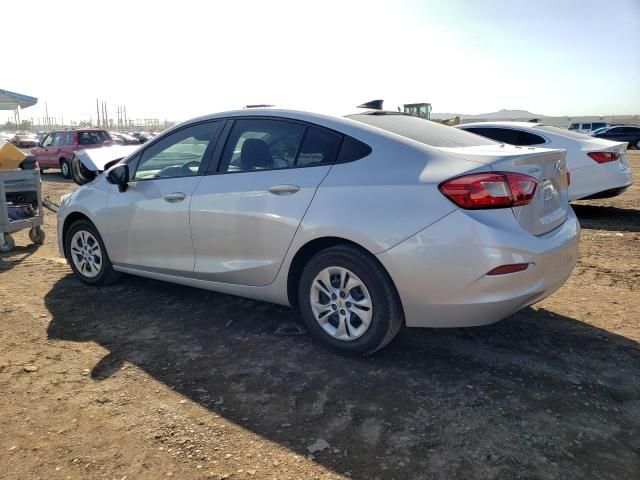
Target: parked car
<point>25,140</point>
<point>364,223</point>
<point>57,148</point>
<point>123,138</point>
<point>598,168</point>
<point>587,127</point>
<point>622,133</point>
<point>598,130</point>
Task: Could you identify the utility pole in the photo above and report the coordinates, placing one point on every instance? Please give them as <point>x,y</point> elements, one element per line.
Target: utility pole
<point>98,112</point>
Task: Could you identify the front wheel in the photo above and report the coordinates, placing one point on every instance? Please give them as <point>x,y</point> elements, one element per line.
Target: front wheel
<point>87,255</point>
<point>348,301</point>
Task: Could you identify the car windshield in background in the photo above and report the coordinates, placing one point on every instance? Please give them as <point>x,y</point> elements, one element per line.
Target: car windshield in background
<point>92,138</point>
<point>563,131</point>
<point>423,131</point>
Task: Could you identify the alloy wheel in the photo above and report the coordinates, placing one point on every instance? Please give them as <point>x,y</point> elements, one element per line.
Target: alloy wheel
<point>341,303</point>
<point>86,254</point>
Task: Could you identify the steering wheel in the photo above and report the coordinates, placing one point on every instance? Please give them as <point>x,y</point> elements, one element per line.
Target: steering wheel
<point>185,169</point>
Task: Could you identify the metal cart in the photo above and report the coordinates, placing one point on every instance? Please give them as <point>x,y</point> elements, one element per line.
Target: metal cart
<point>20,189</point>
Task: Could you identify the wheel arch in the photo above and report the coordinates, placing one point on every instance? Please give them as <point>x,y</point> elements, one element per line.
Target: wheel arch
<point>308,250</point>
<point>72,218</point>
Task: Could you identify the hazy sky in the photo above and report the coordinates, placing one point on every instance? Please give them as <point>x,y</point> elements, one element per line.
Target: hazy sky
<point>175,60</point>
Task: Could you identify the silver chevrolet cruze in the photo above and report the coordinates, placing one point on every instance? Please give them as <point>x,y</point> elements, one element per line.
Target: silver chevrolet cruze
<point>364,223</point>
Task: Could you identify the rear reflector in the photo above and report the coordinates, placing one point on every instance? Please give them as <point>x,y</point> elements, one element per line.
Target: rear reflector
<point>604,157</point>
<point>513,268</point>
<point>490,190</point>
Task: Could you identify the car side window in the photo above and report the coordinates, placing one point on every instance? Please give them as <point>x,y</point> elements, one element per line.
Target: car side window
<point>573,126</point>
<point>319,146</point>
<point>57,138</point>
<point>69,139</point>
<point>586,126</point>
<point>47,140</point>
<point>178,154</point>
<point>261,144</point>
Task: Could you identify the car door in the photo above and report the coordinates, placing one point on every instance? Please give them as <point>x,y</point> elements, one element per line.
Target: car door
<point>148,223</point>
<point>246,213</point>
<point>44,153</point>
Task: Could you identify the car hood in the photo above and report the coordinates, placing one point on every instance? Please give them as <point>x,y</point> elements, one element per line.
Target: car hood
<point>95,159</point>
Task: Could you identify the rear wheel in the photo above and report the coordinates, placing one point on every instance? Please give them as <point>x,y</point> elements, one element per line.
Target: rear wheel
<point>348,301</point>
<point>87,255</point>
<point>65,168</point>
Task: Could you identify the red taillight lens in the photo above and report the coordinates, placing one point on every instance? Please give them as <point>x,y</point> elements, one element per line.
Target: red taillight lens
<point>513,268</point>
<point>604,157</point>
<point>490,190</point>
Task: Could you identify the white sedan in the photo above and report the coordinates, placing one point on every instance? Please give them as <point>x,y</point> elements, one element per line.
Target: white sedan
<point>598,168</point>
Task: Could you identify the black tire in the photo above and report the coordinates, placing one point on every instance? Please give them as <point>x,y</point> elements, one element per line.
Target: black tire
<point>387,315</point>
<point>107,274</point>
<point>65,168</point>
<point>81,174</point>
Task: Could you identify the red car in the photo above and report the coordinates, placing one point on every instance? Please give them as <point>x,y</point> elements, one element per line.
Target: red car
<point>57,148</point>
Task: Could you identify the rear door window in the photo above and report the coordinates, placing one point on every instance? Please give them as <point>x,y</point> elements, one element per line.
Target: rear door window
<point>92,138</point>
<point>586,126</point>
<point>261,144</point>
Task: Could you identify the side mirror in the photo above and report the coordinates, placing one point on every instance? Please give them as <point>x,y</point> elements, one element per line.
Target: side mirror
<point>119,175</point>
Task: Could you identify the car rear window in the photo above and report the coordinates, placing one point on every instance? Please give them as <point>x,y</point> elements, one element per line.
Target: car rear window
<point>423,131</point>
<point>562,131</point>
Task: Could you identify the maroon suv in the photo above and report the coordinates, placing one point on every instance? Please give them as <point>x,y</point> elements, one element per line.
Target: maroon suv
<point>56,149</point>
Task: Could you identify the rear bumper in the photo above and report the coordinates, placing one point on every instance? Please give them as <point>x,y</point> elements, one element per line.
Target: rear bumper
<point>440,273</point>
<point>596,179</point>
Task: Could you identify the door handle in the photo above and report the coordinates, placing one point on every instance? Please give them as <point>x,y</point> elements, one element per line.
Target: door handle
<point>284,189</point>
<point>175,197</point>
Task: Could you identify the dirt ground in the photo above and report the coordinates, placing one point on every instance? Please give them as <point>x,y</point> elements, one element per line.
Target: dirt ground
<point>148,380</point>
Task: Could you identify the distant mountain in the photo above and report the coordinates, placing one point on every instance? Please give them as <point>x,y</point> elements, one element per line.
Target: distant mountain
<point>499,115</point>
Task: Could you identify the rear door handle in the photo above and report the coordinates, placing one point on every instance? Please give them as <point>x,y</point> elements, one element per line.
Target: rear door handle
<point>284,189</point>
<point>175,197</point>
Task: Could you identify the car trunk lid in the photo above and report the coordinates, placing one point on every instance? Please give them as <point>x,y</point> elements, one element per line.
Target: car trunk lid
<point>550,206</point>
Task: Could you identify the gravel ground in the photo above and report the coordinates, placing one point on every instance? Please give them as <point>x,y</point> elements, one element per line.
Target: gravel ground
<point>145,379</point>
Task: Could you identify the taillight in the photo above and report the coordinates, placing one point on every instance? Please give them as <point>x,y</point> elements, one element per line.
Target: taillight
<point>604,157</point>
<point>490,190</point>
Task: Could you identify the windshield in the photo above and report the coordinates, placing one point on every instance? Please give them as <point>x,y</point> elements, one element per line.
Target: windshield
<point>423,131</point>
<point>563,131</point>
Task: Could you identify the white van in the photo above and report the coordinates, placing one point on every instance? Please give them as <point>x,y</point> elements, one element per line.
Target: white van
<point>587,127</point>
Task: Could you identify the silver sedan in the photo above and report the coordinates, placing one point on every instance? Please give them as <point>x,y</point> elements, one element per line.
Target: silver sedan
<point>365,223</point>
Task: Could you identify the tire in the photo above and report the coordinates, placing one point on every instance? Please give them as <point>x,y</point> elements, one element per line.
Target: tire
<point>638,144</point>
<point>81,174</point>
<point>356,267</point>
<point>65,168</point>
<point>7,243</point>
<point>97,273</point>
